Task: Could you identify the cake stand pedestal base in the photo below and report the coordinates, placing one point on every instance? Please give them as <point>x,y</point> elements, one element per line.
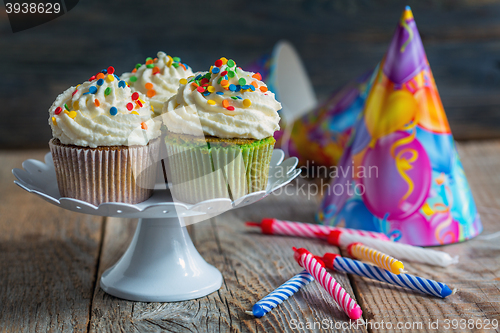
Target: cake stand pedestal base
<point>161,264</point>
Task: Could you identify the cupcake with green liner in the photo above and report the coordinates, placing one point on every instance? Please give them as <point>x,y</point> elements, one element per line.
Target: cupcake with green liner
<point>157,78</point>
<point>220,133</point>
<point>105,142</point>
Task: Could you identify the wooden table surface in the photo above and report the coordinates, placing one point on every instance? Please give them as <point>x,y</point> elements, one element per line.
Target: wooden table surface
<point>51,261</point>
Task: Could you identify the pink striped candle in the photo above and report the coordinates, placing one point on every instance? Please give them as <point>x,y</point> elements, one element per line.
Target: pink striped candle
<point>299,229</point>
<point>316,268</point>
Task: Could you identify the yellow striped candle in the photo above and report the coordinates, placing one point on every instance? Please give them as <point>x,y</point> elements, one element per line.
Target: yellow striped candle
<point>382,260</point>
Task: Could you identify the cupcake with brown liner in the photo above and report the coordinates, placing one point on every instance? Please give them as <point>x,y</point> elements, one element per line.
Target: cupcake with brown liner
<point>157,78</point>
<point>105,142</point>
<point>220,134</point>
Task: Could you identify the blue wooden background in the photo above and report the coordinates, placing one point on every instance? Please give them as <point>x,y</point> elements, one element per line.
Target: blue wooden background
<point>337,39</point>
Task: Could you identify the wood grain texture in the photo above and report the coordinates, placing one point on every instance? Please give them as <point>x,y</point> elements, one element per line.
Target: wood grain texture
<point>337,39</point>
<point>476,276</point>
<point>252,265</point>
<point>48,259</point>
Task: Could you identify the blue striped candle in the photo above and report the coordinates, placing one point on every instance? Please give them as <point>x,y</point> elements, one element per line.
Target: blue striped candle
<point>284,291</point>
<point>408,281</point>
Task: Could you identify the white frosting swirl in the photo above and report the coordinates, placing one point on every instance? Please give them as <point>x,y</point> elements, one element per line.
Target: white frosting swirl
<point>89,122</point>
<point>223,111</point>
<point>164,79</point>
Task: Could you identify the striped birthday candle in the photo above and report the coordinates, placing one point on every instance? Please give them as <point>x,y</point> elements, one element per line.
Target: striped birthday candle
<point>309,230</point>
<point>402,251</point>
<point>279,295</point>
<point>408,281</point>
<point>382,260</point>
<point>316,268</point>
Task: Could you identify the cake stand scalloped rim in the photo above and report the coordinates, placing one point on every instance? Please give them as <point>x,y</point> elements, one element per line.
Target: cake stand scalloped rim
<point>39,178</point>
<point>149,268</point>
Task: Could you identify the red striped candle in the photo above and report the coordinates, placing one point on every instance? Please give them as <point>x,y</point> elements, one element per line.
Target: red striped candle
<point>316,268</point>
<point>309,230</point>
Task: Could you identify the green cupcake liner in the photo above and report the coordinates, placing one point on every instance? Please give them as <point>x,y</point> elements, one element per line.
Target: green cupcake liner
<point>201,170</point>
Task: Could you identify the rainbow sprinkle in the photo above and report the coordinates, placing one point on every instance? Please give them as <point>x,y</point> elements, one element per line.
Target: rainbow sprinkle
<point>150,63</point>
<point>227,81</point>
<point>105,74</point>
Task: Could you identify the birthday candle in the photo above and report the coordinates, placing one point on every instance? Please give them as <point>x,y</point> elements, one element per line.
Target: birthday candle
<point>403,251</point>
<point>284,291</point>
<point>316,268</point>
<point>362,252</point>
<point>289,228</point>
<point>408,281</point>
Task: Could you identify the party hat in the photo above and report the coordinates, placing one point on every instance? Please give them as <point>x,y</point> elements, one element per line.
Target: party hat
<point>284,74</point>
<point>319,137</point>
<point>400,173</point>
<point>315,133</point>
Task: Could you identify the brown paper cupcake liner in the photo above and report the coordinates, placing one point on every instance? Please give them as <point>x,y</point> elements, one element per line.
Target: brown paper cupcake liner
<point>105,174</point>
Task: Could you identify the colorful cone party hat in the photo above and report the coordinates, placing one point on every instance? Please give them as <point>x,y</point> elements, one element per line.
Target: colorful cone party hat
<point>315,133</point>
<point>319,137</point>
<point>400,173</point>
<point>285,75</point>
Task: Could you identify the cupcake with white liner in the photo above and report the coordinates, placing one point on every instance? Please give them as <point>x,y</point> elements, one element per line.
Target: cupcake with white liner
<point>158,78</point>
<point>105,141</point>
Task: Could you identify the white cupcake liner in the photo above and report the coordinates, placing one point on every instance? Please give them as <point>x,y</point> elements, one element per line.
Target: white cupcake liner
<point>106,174</point>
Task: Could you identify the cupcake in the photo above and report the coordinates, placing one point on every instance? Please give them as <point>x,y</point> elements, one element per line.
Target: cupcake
<point>105,141</point>
<point>220,133</point>
<point>158,78</point>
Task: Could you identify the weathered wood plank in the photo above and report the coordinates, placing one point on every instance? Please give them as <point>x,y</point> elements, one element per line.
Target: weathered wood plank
<point>108,310</point>
<point>48,259</point>
<point>477,276</point>
<point>337,40</point>
<point>252,265</point>
<point>255,264</point>
<point>261,263</point>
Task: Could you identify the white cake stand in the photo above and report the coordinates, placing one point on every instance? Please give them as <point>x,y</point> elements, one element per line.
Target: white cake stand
<point>161,263</point>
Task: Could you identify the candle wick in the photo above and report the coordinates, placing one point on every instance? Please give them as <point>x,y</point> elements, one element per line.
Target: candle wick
<point>252,224</point>
<point>249,312</point>
<point>402,271</point>
<point>454,291</point>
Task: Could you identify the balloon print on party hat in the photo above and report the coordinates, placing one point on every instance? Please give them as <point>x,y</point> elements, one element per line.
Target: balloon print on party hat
<point>401,173</point>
